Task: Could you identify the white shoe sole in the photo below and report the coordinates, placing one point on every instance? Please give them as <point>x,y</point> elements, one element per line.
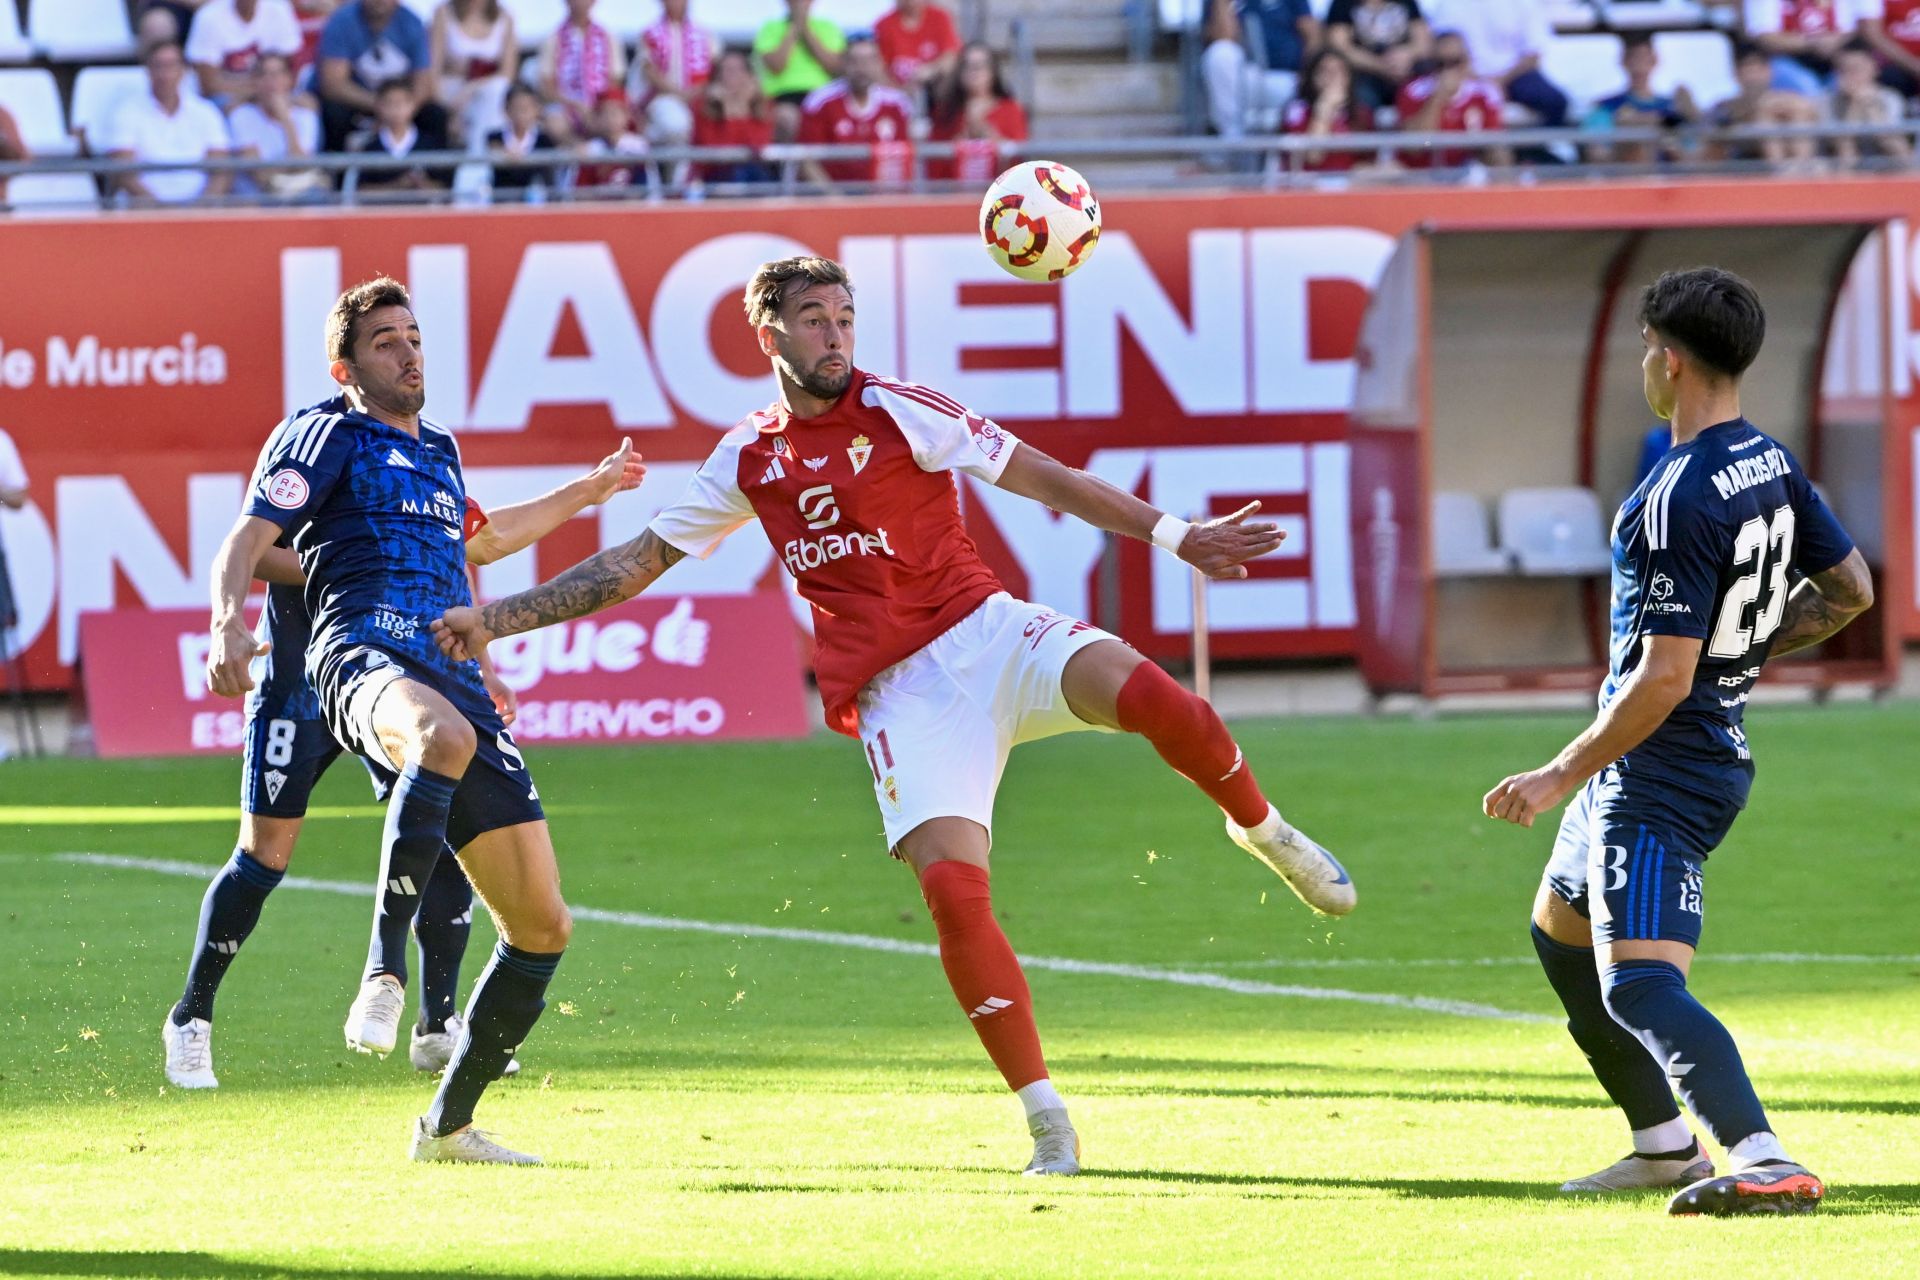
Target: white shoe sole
<point>1329,897</point>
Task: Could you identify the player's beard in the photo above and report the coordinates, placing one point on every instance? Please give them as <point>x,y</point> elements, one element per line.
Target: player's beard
<point>826,386</point>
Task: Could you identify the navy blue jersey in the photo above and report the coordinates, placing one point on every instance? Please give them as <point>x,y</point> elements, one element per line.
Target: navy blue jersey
<point>1709,546</point>
<point>281,689</point>
<point>376,518</point>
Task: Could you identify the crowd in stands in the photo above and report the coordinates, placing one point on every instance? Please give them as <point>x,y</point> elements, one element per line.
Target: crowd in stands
<point>1324,68</point>
<point>285,81</point>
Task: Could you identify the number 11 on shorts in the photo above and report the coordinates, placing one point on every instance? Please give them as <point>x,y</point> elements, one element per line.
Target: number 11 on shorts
<point>886,754</point>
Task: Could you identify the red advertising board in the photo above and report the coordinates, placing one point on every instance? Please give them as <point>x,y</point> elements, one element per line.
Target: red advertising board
<point>1203,357</point>
<point>651,670</point>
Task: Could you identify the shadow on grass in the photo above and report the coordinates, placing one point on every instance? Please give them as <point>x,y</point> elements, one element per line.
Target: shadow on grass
<point>211,1266</point>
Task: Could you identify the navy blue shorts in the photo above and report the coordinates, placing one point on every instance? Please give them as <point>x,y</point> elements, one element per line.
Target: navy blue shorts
<point>1629,856</point>
<point>497,789</point>
<point>282,763</point>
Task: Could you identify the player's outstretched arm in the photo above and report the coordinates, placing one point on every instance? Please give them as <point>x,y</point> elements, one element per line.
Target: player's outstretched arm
<point>1659,684</point>
<point>234,646</point>
<point>1218,548</point>
<point>1823,603</point>
<point>520,525</point>
<point>616,574</point>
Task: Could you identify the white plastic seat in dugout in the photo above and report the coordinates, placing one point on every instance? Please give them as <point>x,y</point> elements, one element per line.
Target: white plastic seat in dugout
<point>32,97</point>
<point>97,95</point>
<point>1555,532</point>
<point>80,30</point>
<point>1462,544</point>
<point>14,45</point>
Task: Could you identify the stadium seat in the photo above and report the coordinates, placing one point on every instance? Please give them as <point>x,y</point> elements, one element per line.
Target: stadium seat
<point>424,8</point>
<point>97,95</point>
<point>32,96</point>
<point>535,20</point>
<point>53,192</point>
<point>1555,532</point>
<point>854,16</point>
<point>627,18</point>
<point>1462,545</point>
<point>1587,67</point>
<point>1700,60</point>
<point>14,46</point>
<point>738,21</point>
<point>1181,15</point>
<point>80,30</point>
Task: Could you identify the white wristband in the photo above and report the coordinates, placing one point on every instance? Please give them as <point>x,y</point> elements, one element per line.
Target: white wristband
<point>1169,532</point>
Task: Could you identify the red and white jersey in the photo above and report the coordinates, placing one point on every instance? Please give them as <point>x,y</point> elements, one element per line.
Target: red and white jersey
<point>1808,17</point>
<point>864,511</point>
<point>1474,108</point>
<point>831,115</point>
<point>1903,23</point>
<point>906,49</point>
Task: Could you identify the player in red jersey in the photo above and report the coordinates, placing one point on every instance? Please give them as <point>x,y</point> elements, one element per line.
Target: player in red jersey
<point>920,653</point>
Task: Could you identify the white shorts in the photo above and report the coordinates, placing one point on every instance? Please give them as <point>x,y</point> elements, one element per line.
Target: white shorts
<point>937,726</point>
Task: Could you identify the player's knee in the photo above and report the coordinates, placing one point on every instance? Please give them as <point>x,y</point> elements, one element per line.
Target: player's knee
<point>547,932</point>
<point>1633,989</point>
<point>446,743</point>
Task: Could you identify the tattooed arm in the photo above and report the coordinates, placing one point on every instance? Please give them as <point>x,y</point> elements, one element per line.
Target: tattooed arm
<point>1823,603</point>
<point>616,574</point>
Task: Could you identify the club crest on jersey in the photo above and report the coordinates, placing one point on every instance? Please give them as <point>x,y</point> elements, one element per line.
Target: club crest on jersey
<point>860,453</point>
<point>287,490</point>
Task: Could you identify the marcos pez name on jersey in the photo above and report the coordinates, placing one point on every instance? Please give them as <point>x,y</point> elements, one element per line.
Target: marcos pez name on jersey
<point>379,521</point>
<point>864,509</point>
<point>1703,548</point>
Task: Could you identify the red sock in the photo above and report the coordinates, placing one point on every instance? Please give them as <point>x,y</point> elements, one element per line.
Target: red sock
<point>982,969</point>
<point>1189,736</point>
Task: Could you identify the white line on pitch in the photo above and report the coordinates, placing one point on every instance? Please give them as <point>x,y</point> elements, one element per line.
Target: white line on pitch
<point>872,942</point>
<point>1528,962</point>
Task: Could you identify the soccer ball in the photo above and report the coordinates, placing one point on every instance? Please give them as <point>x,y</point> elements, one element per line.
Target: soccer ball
<point>1040,221</point>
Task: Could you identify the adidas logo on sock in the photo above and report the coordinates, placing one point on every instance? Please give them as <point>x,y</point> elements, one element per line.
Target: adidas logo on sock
<point>992,1005</point>
<point>403,885</point>
<point>225,948</point>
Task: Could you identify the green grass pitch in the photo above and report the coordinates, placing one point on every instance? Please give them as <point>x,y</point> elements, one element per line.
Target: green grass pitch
<point>728,1105</point>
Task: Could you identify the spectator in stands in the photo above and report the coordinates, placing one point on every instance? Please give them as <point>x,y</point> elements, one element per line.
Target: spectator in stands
<point>1329,105</point>
<point>578,64</point>
<point>855,108</point>
<point>271,125</point>
<point>734,113</point>
<point>1759,103</point>
<point>973,104</point>
<point>1899,46</point>
<point>1240,93</point>
<point>1639,105</point>
<point>1507,38</point>
<point>519,136</point>
<point>672,65</point>
<point>312,15</point>
<point>169,124</point>
<point>157,21</point>
<point>229,36</point>
<point>1382,41</point>
<point>13,148</point>
<point>920,45</point>
<point>1450,99</point>
<point>364,45</point>
<point>405,127</point>
<point>611,134</point>
<point>1860,98</point>
<point>475,57</point>
<point>798,54</point>
<point>1805,36</point>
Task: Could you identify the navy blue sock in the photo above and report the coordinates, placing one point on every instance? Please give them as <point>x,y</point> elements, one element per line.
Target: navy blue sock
<point>1620,1062</point>
<point>1650,999</point>
<point>416,832</point>
<point>227,915</point>
<point>506,1003</point>
<point>440,930</point>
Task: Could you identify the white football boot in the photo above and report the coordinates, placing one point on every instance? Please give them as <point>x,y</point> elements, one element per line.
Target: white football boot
<point>1056,1147</point>
<point>189,1053</point>
<point>1639,1172</point>
<point>433,1050</point>
<point>469,1146</point>
<point>1309,870</point>
<point>373,1023</point>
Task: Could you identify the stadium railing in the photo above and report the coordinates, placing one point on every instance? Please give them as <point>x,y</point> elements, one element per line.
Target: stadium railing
<point>1269,163</point>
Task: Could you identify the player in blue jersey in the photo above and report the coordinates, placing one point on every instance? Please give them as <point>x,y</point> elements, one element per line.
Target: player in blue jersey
<point>372,500</point>
<point>1723,557</point>
<point>287,749</point>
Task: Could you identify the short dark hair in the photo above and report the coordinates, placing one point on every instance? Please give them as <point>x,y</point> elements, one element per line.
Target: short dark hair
<point>146,55</point>
<point>1744,50</point>
<point>1714,315</point>
<point>399,84</point>
<point>1636,40</point>
<point>355,305</point>
<point>767,290</point>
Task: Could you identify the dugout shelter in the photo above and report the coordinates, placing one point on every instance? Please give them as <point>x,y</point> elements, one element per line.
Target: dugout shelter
<point>1499,421</point>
